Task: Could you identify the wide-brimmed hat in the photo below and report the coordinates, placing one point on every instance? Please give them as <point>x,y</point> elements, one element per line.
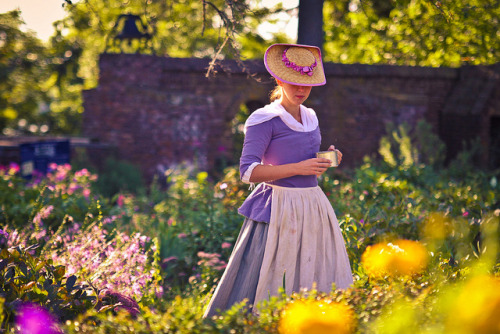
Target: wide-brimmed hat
<point>295,64</point>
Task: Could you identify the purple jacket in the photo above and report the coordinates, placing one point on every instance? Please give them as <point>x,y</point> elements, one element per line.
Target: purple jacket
<point>274,143</point>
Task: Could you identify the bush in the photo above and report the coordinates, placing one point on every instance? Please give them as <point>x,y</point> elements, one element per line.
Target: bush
<point>46,201</point>
<point>119,177</point>
<point>406,203</point>
<point>28,278</point>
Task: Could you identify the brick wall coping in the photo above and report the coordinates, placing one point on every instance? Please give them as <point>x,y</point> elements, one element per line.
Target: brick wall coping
<point>14,141</point>
<point>256,66</point>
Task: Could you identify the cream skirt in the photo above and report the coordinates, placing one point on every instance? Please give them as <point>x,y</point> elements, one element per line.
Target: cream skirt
<point>302,246</point>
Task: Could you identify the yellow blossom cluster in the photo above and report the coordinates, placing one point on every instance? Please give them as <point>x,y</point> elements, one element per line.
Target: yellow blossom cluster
<point>397,258</point>
<point>437,226</point>
<point>316,317</point>
<point>477,307</point>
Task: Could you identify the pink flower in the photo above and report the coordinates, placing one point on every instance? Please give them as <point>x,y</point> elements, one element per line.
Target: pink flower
<point>82,172</point>
<point>222,266</point>
<point>120,200</point>
<point>465,214</point>
<point>170,259</point>
<point>86,192</point>
<point>181,235</point>
<point>159,292</point>
<point>52,166</point>
<point>47,211</point>
<point>226,245</point>
<point>13,168</point>
<point>43,214</point>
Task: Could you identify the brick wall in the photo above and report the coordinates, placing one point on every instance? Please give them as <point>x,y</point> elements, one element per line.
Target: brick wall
<point>160,111</point>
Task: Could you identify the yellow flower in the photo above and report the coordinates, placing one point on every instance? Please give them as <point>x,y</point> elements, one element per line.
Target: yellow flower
<point>399,258</point>
<point>477,307</point>
<point>437,226</point>
<point>316,317</point>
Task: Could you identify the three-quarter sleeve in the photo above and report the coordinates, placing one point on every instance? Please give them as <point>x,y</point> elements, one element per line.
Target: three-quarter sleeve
<point>257,140</point>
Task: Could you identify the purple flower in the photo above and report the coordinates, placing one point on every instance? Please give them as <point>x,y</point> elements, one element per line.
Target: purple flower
<point>5,234</point>
<point>35,320</point>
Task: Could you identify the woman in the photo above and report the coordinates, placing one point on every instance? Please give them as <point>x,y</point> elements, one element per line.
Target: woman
<point>290,237</point>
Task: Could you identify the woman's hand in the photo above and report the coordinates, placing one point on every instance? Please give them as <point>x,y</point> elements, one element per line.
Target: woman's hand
<point>339,154</point>
<point>314,166</point>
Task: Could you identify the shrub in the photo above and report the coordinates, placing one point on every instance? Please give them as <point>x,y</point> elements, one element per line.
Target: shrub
<point>49,199</point>
<point>119,176</point>
<point>28,278</point>
<point>112,261</point>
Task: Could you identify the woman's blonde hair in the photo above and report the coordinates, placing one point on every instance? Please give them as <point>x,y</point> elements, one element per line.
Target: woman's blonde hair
<point>275,93</point>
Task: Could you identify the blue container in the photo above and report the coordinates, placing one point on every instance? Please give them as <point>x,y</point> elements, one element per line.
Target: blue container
<point>37,156</point>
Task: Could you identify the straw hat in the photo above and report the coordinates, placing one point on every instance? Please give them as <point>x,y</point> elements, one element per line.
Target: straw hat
<point>295,64</point>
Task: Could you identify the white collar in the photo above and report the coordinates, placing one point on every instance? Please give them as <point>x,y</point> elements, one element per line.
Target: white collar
<point>275,109</point>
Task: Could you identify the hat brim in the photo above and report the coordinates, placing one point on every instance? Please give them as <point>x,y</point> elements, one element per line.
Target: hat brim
<point>277,68</point>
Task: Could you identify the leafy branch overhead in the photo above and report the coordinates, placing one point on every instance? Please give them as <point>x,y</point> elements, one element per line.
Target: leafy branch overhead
<point>209,29</point>
<point>42,82</point>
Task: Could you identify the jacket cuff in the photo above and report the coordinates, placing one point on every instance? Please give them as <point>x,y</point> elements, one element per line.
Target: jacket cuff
<point>246,177</point>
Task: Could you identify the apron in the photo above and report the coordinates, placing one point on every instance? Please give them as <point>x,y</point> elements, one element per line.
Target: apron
<point>304,247</point>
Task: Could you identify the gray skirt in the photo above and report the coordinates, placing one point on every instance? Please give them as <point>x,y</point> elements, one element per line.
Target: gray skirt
<point>241,276</point>
<point>301,247</point>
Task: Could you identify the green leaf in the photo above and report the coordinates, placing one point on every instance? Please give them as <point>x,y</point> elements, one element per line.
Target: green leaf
<point>23,268</point>
<point>59,272</point>
<point>39,265</point>
<point>9,275</point>
<point>47,283</point>
<point>70,283</point>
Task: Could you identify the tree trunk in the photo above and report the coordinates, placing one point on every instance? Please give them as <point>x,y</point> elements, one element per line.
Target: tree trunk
<point>310,30</point>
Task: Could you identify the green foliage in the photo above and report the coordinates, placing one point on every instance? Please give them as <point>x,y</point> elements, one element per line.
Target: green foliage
<point>26,277</point>
<point>407,194</point>
<point>466,161</point>
<point>404,148</point>
<point>119,176</point>
<point>421,32</point>
<point>180,29</point>
<point>43,82</point>
<point>23,71</point>
<point>200,224</point>
<point>407,154</point>
<point>40,83</point>
<point>60,197</point>
<point>393,197</point>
